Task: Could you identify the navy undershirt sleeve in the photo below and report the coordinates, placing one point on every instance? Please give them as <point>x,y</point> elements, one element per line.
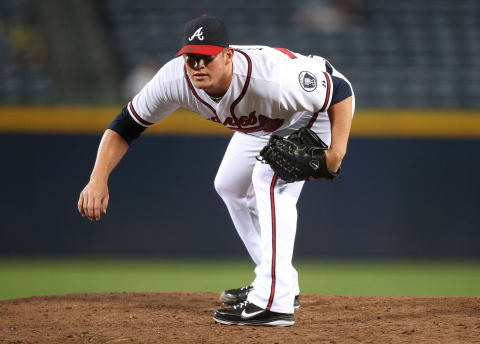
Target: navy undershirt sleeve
<point>341,90</point>
<point>126,127</point>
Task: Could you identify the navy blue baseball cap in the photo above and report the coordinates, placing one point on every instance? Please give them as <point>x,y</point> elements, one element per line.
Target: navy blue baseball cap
<point>205,36</point>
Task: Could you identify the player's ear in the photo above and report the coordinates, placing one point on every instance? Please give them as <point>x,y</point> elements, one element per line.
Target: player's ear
<point>228,55</point>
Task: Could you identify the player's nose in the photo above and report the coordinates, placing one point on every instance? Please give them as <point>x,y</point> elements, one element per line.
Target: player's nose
<point>200,63</point>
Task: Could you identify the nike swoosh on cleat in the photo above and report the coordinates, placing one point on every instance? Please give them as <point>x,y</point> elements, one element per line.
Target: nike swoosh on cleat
<point>246,315</point>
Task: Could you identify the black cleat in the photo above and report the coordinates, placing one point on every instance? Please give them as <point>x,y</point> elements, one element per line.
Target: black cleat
<point>296,302</point>
<point>234,296</point>
<point>246,313</point>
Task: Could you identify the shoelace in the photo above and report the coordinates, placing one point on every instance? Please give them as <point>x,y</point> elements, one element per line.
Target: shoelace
<point>247,288</point>
<point>241,305</point>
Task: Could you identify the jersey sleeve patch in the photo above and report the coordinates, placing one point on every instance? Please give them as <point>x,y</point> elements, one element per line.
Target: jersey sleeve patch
<point>307,81</point>
<point>341,90</point>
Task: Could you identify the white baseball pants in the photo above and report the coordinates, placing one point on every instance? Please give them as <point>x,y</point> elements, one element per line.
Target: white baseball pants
<point>263,210</point>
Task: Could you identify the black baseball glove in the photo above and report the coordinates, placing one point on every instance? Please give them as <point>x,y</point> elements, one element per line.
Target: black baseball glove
<point>299,156</point>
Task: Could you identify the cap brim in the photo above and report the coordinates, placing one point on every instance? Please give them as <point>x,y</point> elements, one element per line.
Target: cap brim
<point>211,50</point>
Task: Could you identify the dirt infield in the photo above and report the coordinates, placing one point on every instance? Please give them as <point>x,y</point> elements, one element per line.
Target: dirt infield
<point>187,318</point>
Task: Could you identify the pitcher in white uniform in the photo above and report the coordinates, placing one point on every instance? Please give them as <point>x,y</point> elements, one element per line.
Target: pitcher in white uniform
<point>255,91</point>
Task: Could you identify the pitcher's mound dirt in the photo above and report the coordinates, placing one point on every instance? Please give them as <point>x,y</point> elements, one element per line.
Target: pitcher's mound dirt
<point>187,318</point>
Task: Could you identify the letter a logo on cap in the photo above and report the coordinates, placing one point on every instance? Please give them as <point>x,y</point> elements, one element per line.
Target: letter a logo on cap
<point>198,34</point>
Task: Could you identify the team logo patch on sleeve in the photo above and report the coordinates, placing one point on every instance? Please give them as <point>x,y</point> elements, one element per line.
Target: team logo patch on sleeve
<point>308,81</point>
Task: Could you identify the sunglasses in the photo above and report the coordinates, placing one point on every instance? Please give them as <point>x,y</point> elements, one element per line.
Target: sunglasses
<point>193,60</point>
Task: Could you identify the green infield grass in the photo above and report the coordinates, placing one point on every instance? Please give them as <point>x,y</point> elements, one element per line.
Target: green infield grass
<point>29,277</point>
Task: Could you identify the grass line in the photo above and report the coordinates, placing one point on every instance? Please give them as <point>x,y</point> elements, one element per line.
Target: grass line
<point>24,278</point>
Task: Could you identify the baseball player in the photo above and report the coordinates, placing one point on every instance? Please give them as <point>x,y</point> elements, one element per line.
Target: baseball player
<point>256,91</point>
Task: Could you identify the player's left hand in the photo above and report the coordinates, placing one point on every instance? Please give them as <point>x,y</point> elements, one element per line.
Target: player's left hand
<point>333,160</point>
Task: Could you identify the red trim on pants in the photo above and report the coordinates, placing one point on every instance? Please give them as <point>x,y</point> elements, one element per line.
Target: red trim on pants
<point>274,229</point>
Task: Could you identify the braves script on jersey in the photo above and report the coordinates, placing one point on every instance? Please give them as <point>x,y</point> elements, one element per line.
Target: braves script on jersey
<point>271,89</point>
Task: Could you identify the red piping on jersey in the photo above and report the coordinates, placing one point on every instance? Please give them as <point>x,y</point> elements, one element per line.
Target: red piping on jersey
<point>244,90</point>
<point>287,52</point>
<point>274,230</point>
<point>141,120</point>
<point>329,86</point>
<point>313,119</point>
<point>327,99</point>
<point>196,95</point>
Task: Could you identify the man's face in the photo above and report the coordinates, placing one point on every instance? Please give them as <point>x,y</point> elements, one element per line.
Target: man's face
<point>206,71</point>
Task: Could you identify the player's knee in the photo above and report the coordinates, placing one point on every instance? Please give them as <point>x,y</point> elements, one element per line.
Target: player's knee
<point>221,186</point>
<point>226,187</point>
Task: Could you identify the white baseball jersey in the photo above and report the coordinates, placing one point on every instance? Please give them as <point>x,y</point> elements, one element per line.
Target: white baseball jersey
<point>271,89</point>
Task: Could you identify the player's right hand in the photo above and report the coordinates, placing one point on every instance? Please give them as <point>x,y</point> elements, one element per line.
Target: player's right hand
<point>94,200</point>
